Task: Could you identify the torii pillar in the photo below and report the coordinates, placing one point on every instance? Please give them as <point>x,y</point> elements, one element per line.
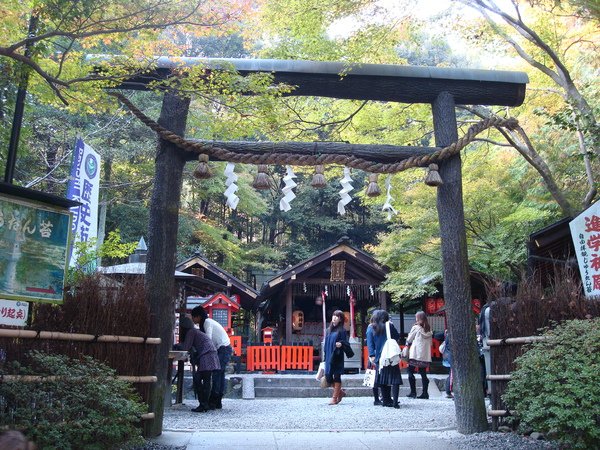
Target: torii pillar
<point>457,289</point>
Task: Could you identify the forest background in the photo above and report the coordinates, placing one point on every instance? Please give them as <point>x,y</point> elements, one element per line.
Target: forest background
<point>512,186</point>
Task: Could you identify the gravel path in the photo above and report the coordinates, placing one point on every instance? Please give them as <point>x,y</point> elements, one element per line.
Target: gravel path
<point>356,413</point>
<point>353,414</point>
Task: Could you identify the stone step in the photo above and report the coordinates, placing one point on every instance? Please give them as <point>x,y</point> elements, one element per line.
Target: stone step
<point>301,382</point>
<point>310,392</point>
<point>310,381</point>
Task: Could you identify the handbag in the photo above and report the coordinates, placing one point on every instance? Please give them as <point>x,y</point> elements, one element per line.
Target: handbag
<point>324,383</point>
<point>348,350</point>
<point>390,354</point>
<point>405,352</point>
<point>320,371</point>
<point>369,379</point>
<point>443,347</point>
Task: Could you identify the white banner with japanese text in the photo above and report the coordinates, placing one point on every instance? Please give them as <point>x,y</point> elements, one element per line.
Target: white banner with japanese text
<point>585,231</point>
<point>84,187</point>
<point>13,313</point>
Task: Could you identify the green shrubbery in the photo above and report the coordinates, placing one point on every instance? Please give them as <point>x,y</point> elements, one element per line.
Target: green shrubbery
<point>556,389</point>
<point>84,407</point>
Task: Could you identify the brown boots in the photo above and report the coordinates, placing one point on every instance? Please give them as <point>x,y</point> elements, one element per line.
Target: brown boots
<point>338,394</point>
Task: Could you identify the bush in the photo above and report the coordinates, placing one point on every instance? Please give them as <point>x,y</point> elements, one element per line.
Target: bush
<point>80,405</point>
<point>555,388</point>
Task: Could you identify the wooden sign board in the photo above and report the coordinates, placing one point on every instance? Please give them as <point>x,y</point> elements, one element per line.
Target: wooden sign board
<point>34,244</point>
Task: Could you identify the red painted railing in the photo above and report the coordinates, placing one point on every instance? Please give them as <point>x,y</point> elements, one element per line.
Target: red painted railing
<point>262,357</point>
<point>296,357</point>
<point>286,357</point>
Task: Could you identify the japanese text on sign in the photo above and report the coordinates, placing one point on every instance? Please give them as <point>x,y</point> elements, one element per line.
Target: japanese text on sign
<point>585,231</point>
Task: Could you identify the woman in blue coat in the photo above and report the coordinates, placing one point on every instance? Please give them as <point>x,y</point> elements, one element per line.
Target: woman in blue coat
<point>388,378</point>
<point>333,350</point>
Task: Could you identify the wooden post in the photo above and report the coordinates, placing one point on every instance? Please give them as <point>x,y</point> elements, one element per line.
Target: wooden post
<point>382,300</point>
<point>469,401</point>
<point>162,241</point>
<point>288,314</point>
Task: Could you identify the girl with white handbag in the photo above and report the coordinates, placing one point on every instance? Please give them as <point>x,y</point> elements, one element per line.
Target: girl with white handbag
<point>388,377</point>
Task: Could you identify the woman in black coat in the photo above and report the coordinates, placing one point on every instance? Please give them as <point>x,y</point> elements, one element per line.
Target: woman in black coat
<point>333,350</point>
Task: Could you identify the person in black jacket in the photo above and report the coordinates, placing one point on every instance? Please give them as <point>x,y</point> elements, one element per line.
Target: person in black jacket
<point>336,341</point>
<point>388,378</point>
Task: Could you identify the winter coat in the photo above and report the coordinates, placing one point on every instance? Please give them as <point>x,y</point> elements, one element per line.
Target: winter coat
<point>375,342</point>
<point>206,352</point>
<point>420,343</point>
<point>334,360</point>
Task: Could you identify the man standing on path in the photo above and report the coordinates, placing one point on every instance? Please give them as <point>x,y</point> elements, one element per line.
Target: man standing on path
<point>221,340</point>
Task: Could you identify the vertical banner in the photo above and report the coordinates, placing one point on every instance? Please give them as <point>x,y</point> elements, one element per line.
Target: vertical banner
<point>84,187</point>
<point>585,231</point>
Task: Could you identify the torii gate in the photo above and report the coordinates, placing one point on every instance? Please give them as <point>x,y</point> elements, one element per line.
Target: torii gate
<point>442,88</point>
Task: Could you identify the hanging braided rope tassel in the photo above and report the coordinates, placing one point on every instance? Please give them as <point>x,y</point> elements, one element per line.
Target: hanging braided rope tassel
<point>373,188</point>
<point>261,181</point>
<point>318,180</point>
<point>202,171</point>
<point>433,177</point>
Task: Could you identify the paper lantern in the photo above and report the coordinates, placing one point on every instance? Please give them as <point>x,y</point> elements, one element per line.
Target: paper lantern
<point>430,305</point>
<point>297,320</point>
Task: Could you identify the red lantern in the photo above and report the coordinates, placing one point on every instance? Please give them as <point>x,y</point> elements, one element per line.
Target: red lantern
<point>439,303</point>
<point>430,305</point>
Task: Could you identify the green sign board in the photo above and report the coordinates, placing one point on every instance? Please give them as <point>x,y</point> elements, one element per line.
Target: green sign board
<point>34,243</point>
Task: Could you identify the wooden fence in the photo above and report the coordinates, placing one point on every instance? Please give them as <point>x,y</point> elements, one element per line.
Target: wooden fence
<point>279,357</point>
<point>498,409</point>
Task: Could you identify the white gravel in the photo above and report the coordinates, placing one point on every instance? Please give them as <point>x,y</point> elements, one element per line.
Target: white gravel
<point>353,413</point>
<point>436,416</point>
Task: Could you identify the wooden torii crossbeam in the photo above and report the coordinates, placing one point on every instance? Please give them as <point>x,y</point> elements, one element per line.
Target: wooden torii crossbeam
<point>442,88</point>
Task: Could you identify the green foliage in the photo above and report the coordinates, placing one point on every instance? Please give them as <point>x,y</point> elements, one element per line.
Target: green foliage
<point>87,253</point>
<point>555,388</point>
<point>84,407</point>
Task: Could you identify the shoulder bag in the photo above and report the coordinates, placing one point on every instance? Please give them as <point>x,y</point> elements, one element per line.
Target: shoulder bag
<point>390,354</point>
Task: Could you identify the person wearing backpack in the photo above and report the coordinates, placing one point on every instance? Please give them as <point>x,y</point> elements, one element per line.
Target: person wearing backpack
<point>419,354</point>
<point>388,377</point>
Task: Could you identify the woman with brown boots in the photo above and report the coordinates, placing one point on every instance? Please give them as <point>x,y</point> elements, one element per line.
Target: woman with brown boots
<point>333,350</point>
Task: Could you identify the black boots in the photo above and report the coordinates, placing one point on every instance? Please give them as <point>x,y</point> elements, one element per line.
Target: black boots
<point>395,392</point>
<point>425,394</point>
<point>413,386</point>
<point>386,395</point>
<point>377,401</point>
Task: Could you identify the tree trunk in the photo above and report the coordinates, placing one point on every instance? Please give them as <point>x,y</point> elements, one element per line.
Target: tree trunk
<point>469,402</point>
<point>161,260</point>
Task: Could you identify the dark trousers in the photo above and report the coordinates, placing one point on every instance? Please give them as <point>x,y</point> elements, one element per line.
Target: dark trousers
<point>202,385</point>
<point>218,381</point>
<point>483,374</point>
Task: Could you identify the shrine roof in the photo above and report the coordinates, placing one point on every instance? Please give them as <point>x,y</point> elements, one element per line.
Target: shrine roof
<point>222,279</point>
<point>362,268</point>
